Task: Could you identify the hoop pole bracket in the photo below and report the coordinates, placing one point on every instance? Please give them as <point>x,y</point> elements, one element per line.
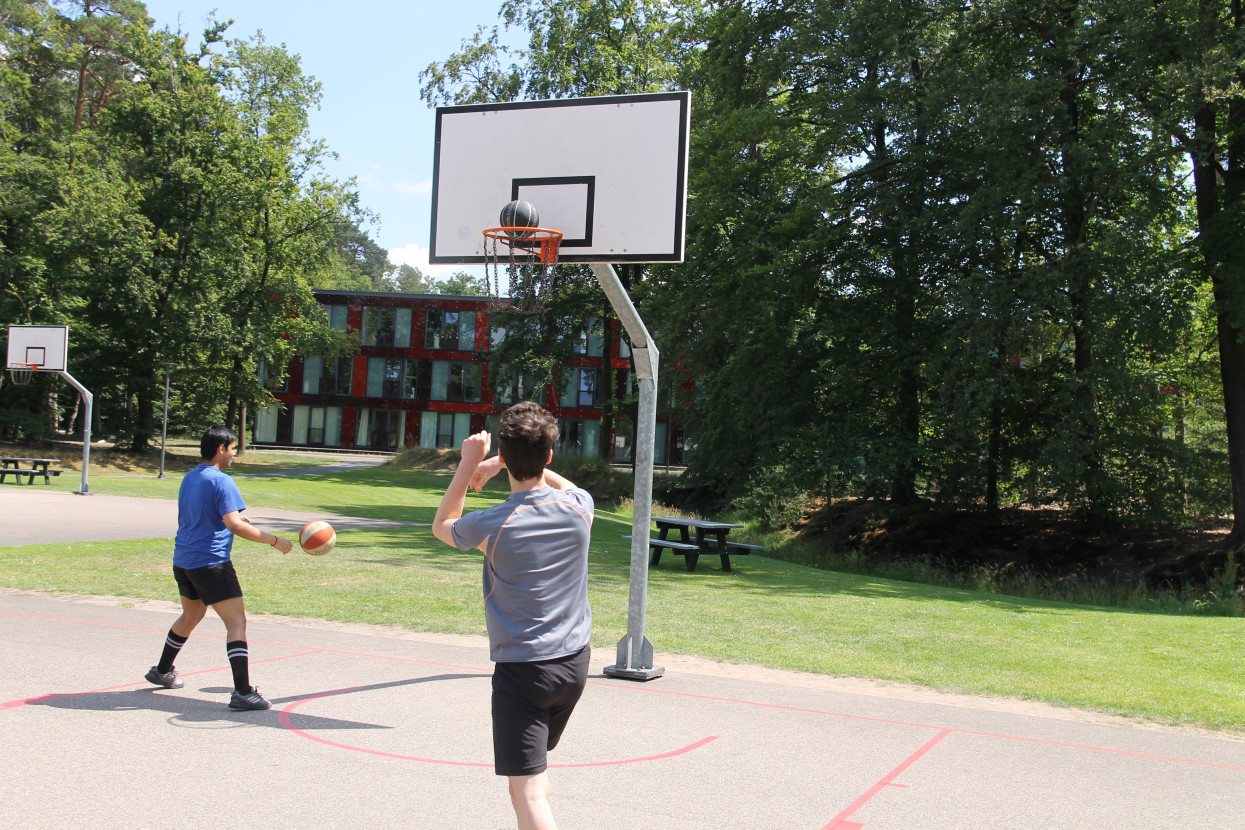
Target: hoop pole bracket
<point>635,653</point>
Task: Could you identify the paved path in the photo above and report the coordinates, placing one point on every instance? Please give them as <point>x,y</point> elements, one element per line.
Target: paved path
<point>378,728</point>
<point>32,515</point>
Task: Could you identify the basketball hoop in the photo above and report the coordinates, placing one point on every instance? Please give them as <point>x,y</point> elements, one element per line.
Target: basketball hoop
<point>20,373</point>
<point>530,259</point>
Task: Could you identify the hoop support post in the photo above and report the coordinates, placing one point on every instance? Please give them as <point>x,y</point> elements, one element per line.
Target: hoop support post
<point>88,401</point>
<point>635,653</point>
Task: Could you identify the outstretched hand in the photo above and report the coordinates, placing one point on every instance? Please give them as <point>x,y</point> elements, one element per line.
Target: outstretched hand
<point>485,471</point>
<point>283,545</point>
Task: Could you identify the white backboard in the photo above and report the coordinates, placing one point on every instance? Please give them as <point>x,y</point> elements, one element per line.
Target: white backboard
<point>45,346</point>
<point>609,172</point>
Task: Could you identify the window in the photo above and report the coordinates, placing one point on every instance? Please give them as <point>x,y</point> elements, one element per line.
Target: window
<point>318,426</point>
<point>387,327</point>
<point>327,377</point>
<point>580,387</point>
<point>450,330</point>
<point>624,441</point>
<point>513,386</point>
<point>266,424</point>
<point>444,430</point>
<point>591,340</point>
<point>624,346</point>
<point>579,437</point>
<point>268,381</point>
<point>380,429</point>
<point>391,377</point>
<point>337,316</point>
<point>454,381</point>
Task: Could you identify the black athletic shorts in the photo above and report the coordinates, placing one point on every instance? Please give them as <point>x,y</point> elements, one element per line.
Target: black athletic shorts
<point>531,704</point>
<point>209,585</point>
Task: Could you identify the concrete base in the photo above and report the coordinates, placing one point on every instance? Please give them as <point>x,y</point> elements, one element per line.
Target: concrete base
<point>624,673</point>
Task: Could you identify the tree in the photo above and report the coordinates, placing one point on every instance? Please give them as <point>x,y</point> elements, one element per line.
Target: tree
<point>410,280</point>
<point>461,284</point>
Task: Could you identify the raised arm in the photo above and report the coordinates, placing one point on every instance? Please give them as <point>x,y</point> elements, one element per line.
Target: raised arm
<point>558,481</point>
<point>475,447</point>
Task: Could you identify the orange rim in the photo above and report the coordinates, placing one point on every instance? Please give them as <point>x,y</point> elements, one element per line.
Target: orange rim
<point>541,243</point>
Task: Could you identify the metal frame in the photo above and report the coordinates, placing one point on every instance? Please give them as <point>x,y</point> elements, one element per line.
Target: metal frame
<point>634,660</point>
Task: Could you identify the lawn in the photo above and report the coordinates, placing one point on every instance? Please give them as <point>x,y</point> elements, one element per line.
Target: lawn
<point>1168,668</point>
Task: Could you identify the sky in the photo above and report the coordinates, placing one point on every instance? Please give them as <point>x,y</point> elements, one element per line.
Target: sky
<point>367,56</point>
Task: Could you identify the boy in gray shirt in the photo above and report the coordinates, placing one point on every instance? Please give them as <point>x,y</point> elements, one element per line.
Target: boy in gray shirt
<point>535,546</point>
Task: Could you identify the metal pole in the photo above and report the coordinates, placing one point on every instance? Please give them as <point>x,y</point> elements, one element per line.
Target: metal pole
<point>88,401</point>
<point>164,431</point>
<point>635,653</point>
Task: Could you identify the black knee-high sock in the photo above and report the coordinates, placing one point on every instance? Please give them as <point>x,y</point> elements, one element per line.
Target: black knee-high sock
<point>238,661</point>
<point>172,645</point>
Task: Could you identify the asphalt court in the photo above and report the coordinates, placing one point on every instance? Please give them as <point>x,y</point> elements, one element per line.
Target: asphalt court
<point>374,727</point>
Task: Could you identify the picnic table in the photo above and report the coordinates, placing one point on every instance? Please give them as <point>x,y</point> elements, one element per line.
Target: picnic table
<point>711,539</point>
<point>13,466</point>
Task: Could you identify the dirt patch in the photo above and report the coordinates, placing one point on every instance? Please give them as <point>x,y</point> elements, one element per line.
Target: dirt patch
<point>1048,543</point>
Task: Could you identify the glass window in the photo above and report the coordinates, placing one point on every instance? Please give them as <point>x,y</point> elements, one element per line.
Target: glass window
<point>318,426</point>
<point>266,424</point>
<point>591,340</point>
<point>514,386</point>
<point>327,377</point>
<point>391,377</point>
<point>579,436</point>
<point>387,327</point>
<point>380,429</point>
<point>624,440</point>
<point>268,381</point>
<point>456,381</point>
<point>337,316</point>
<point>624,346</point>
<point>580,387</point>
<point>450,330</point>
<point>444,430</point>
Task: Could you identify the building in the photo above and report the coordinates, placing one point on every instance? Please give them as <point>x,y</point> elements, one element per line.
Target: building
<point>422,379</point>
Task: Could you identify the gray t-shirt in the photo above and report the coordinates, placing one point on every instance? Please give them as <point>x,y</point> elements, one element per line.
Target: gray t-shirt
<point>535,572</point>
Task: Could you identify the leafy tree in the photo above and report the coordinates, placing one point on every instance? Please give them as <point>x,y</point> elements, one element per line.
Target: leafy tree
<point>461,284</point>
<point>410,280</point>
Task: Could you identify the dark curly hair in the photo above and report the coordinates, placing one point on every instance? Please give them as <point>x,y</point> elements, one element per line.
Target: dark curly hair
<point>526,435</point>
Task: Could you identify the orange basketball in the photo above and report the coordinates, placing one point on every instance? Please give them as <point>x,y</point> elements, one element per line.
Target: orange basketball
<point>317,538</point>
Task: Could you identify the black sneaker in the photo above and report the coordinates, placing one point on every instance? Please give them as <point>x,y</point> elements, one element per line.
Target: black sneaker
<point>167,679</point>
<point>250,700</point>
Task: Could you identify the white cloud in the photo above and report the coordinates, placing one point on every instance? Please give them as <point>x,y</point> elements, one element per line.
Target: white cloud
<point>403,186</point>
<point>417,255</point>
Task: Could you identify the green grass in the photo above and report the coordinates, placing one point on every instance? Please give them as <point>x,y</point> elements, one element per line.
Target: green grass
<point>1170,668</point>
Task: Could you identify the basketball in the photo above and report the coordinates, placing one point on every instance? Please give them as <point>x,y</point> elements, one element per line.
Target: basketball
<point>519,214</point>
<point>317,538</point>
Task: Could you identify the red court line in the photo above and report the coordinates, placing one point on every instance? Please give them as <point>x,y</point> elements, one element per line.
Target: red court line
<point>840,822</point>
<point>283,717</point>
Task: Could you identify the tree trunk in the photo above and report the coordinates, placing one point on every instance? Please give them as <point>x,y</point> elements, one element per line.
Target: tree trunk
<point>1227,272</point>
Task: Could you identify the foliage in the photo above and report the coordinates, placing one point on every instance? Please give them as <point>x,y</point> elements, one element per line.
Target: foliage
<point>170,207</point>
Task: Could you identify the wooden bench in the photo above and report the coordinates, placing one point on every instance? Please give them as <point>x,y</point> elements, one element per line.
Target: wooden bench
<point>691,553</point>
<point>678,548</point>
<point>18,472</point>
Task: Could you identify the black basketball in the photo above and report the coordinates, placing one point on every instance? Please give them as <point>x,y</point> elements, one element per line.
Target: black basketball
<point>519,214</point>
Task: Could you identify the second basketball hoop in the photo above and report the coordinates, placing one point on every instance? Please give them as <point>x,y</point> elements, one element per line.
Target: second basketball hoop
<point>529,256</point>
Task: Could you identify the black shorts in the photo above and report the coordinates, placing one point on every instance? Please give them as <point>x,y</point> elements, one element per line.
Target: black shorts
<point>531,704</point>
<point>209,585</point>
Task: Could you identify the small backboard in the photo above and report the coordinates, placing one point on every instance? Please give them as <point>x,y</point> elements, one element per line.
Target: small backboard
<point>609,172</point>
<point>44,347</point>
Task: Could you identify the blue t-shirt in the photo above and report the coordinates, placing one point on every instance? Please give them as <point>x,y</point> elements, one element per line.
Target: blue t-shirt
<point>535,572</point>
<point>205,496</point>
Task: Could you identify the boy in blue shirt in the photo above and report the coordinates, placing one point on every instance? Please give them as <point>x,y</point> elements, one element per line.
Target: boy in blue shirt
<point>209,515</point>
